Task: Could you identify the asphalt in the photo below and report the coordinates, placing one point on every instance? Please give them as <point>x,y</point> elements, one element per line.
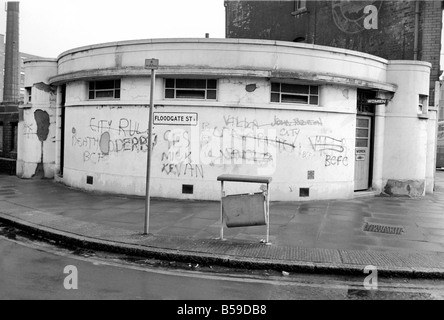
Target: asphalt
<point>400,236</point>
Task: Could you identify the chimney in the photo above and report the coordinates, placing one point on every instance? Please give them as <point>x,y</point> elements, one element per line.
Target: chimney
<point>11,92</point>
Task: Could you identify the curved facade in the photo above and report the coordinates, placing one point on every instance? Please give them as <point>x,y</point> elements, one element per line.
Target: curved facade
<point>299,113</point>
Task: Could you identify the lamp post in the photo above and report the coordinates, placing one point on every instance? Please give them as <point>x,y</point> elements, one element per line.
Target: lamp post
<point>153,65</point>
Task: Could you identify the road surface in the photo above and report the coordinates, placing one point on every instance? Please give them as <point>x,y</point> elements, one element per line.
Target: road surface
<point>31,269</point>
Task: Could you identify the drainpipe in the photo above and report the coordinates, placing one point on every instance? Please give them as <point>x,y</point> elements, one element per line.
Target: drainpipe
<point>315,21</point>
<point>415,46</point>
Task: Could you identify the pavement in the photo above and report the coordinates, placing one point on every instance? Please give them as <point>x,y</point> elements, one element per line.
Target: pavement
<point>401,236</point>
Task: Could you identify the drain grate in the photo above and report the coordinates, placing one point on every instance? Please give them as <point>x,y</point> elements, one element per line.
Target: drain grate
<point>380,228</point>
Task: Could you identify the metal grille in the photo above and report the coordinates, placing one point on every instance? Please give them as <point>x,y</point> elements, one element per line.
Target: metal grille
<point>380,228</point>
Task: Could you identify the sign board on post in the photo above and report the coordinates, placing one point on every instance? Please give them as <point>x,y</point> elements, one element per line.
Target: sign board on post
<point>176,118</point>
<point>376,101</point>
<point>152,64</point>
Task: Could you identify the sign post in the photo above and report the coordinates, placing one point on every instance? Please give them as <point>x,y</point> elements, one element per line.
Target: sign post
<point>153,65</point>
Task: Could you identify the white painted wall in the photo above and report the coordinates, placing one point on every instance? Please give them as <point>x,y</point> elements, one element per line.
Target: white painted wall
<point>108,139</point>
<point>32,151</point>
<point>406,138</point>
<point>124,169</point>
<point>225,56</point>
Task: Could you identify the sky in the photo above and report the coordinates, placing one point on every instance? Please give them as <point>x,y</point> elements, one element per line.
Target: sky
<point>50,27</point>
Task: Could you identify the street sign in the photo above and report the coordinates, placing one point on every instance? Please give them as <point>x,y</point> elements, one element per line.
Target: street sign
<point>376,101</point>
<point>176,118</point>
<point>152,64</point>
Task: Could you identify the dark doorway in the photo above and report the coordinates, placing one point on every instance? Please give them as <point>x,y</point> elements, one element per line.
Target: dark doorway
<point>62,130</point>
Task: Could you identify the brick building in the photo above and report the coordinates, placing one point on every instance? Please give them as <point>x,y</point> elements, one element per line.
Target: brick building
<point>395,30</point>
<point>12,91</point>
<point>23,58</point>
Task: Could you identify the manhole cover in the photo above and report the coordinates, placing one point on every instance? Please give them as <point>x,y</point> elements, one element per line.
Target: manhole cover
<point>380,228</point>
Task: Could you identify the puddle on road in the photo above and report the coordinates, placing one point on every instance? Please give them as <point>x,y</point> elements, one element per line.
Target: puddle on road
<point>360,294</point>
<point>8,232</point>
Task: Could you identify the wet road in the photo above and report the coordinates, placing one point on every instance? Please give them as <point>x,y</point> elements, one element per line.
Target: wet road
<point>34,270</point>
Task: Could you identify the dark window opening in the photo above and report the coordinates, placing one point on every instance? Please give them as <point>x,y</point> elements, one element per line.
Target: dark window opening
<point>89,180</point>
<point>14,128</point>
<point>28,94</point>
<point>107,89</point>
<point>363,107</point>
<point>294,93</point>
<point>187,189</point>
<point>304,192</point>
<point>199,89</point>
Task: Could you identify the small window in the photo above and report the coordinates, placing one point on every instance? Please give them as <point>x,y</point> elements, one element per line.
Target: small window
<point>294,93</point>
<point>422,106</point>
<point>28,96</point>
<point>201,89</point>
<point>301,4</point>
<point>108,89</point>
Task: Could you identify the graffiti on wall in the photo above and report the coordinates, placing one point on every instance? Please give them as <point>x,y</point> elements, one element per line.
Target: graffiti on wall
<point>230,141</point>
<point>177,158</point>
<point>335,147</point>
<point>108,137</point>
<point>248,141</point>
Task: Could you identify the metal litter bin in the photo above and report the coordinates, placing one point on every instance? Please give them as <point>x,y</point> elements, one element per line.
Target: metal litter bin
<point>245,210</point>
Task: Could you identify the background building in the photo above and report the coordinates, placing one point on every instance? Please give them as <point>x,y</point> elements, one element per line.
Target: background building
<point>324,122</point>
<point>23,57</point>
<point>12,90</point>
<point>394,30</point>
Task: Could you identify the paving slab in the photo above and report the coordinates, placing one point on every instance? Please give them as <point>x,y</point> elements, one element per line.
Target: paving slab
<point>316,236</point>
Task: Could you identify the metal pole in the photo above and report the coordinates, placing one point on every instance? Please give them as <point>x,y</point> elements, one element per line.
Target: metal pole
<point>268,215</point>
<point>221,211</point>
<point>150,149</point>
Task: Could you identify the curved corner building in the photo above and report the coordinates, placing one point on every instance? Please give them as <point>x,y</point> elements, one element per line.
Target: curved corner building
<point>325,123</point>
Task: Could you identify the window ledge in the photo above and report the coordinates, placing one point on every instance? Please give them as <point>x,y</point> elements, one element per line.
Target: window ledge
<point>423,116</point>
<point>25,106</point>
<point>299,12</point>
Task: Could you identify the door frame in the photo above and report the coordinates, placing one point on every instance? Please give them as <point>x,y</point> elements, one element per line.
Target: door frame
<point>368,110</point>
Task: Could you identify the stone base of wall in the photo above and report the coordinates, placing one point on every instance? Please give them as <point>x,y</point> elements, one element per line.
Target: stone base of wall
<point>406,188</point>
